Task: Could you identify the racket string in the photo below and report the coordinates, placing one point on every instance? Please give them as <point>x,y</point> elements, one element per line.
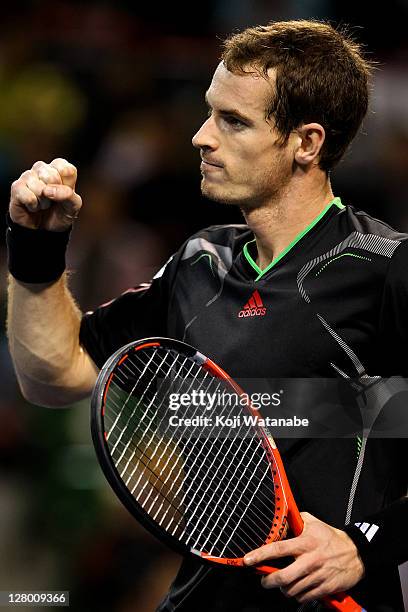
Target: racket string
<point>225,502</point>
<point>153,415</point>
<point>147,466</point>
<point>126,402</point>
<point>175,494</point>
<point>154,433</point>
<point>229,496</point>
<point>236,503</point>
<point>147,388</point>
<point>221,483</point>
<point>194,414</point>
<point>200,492</point>
<point>162,503</point>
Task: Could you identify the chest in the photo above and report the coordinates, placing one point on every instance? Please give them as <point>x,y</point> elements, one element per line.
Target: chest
<point>280,326</point>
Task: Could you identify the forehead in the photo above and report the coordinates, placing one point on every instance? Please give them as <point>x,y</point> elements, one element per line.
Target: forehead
<point>245,92</point>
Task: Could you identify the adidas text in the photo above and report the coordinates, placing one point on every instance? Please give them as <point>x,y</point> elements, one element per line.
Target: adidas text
<point>252,312</point>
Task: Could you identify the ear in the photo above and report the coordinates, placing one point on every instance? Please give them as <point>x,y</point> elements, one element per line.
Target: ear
<point>310,140</point>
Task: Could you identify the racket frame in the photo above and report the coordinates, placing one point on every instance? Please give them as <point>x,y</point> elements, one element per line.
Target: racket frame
<point>288,513</point>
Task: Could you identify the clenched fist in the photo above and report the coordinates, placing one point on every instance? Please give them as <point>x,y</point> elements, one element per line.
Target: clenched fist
<point>44,197</point>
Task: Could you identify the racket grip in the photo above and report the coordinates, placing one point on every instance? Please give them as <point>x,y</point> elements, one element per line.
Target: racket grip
<point>265,569</point>
<point>341,601</point>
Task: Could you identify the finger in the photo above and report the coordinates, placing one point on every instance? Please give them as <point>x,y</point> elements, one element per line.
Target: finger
<point>35,185</point>
<point>307,517</point>
<point>70,201</point>
<point>58,193</point>
<point>49,175</point>
<point>287,576</point>
<point>66,170</point>
<point>23,196</point>
<point>46,173</point>
<point>72,207</point>
<point>302,585</point>
<point>283,548</point>
<point>312,594</point>
<point>38,166</point>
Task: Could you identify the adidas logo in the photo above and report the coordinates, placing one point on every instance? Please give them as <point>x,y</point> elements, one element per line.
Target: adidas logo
<point>368,529</point>
<point>254,307</point>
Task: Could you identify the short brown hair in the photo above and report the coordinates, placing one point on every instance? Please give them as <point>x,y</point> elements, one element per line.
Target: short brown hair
<point>321,76</point>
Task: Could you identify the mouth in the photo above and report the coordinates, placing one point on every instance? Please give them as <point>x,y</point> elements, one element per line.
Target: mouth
<point>205,163</point>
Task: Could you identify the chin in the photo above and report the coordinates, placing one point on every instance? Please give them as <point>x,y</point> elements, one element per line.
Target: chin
<point>211,192</point>
<point>217,194</point>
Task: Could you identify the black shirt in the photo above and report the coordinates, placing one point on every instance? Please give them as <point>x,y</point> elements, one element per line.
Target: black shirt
<point>336,297</point>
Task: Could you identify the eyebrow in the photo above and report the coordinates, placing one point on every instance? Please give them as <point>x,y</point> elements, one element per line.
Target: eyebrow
<point>231,112</point>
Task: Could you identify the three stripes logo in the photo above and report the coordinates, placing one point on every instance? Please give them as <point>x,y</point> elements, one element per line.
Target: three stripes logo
<point>254,307</point>
<point>368,529</point>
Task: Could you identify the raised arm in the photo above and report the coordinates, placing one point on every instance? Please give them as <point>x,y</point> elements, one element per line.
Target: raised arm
<point>43,319</point>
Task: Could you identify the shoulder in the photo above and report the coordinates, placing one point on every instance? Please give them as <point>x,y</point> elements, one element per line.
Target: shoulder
<point>380,238</point>
<point>374,235</point>
<point>221,240</point>
<point>221,234</point>
<point>368,225</point>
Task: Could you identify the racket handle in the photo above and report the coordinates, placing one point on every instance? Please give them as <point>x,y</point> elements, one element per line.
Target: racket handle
<point>265,569</point>
<point>341,601</point>
<point>338,601</point>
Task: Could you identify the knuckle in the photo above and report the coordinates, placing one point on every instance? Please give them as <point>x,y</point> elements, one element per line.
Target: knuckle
<point>309,542</point>
<point>314,563</point>
<point>284,578</point>
<point>38,165</point>
<point>279,580</point>
<point>68,193</point>
<point>25,175</point>
<point>31,179</point>
<point>62,165</point>
<point>69,171</point>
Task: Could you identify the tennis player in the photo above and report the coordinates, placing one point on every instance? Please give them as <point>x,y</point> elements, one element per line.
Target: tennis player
<point>307,287</point>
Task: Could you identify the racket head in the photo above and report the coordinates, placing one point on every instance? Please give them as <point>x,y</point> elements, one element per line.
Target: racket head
<point>128,397</point>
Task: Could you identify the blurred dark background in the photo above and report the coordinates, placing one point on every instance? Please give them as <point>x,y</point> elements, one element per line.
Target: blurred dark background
<point>117,89</point>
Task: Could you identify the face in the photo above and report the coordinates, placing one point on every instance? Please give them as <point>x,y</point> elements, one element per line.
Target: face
<point>242,160</point>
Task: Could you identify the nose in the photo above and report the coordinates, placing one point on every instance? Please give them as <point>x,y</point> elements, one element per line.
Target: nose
<point>205,138</point>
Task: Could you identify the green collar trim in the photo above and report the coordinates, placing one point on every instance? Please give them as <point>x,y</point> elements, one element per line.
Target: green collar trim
<point>336,202</point>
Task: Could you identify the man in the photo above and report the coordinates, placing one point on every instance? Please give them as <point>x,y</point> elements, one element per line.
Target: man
<point>328,283</point>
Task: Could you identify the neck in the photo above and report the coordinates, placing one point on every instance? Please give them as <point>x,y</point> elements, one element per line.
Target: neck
<point>280,220</point>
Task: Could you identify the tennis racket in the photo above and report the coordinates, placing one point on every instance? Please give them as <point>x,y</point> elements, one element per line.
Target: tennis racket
<point>215,488</point>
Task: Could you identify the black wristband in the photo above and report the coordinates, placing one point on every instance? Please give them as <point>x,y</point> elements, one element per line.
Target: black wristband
<point>382,538</point>
<point>35,255</point>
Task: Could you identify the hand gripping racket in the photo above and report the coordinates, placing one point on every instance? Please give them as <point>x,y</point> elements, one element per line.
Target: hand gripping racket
<point>216,488</point>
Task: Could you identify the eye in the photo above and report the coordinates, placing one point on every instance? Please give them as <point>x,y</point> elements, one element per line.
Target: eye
<point>233,121</point>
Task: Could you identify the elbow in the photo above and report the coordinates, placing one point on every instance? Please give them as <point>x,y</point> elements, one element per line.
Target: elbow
<point>49,396</point>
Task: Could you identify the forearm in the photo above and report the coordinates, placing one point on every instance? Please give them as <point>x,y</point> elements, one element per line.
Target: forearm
<point>43,331</point>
